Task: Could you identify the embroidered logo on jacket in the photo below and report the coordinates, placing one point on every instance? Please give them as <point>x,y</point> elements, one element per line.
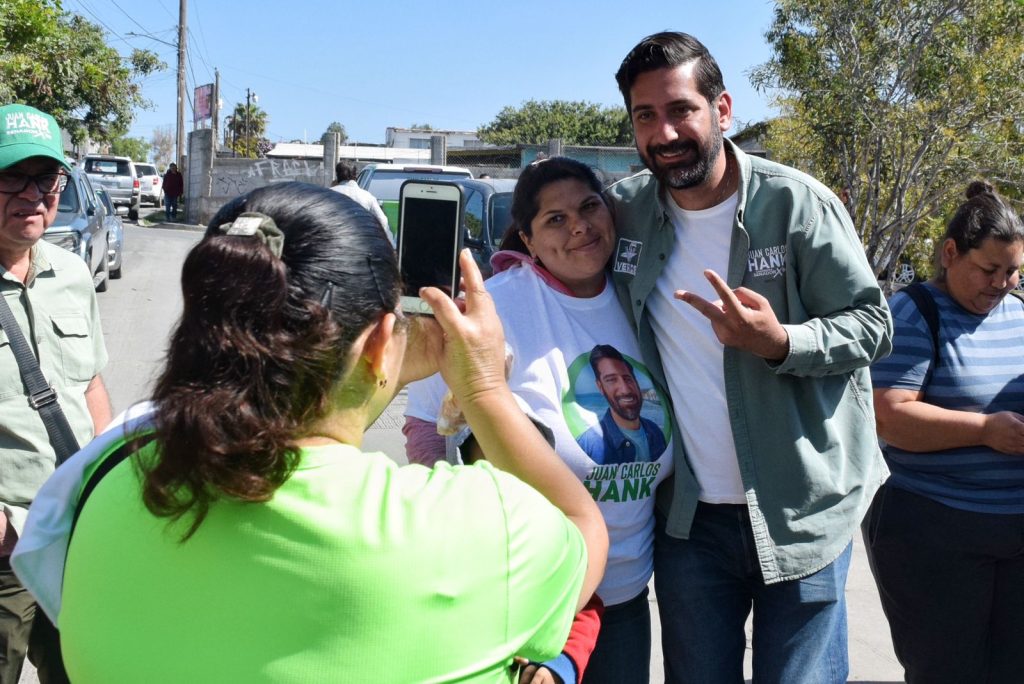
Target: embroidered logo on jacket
<point>767,262</point>
<point>627,256</point>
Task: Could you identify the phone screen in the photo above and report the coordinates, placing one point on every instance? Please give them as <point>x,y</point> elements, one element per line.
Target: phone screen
<point>429,242</point>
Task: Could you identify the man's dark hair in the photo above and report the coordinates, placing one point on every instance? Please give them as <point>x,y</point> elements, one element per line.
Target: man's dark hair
<point>344,171</point>
<point>607,351</point>
<point>670,49</point>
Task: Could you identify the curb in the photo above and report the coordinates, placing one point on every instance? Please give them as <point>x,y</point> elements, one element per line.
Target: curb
<point>172,226</point>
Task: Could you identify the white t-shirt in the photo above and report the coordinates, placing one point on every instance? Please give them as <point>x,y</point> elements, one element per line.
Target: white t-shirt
<point>691,354</point>
<point>551,335</point>
<point>365,200</point>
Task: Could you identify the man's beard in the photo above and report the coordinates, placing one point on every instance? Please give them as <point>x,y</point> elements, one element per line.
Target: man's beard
<point>684,176</point>
<point>626,412</point>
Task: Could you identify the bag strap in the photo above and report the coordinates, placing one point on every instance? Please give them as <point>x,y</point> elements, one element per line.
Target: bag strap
<point>929,310</point>
<point>41,396</point>
<point>132,446</point>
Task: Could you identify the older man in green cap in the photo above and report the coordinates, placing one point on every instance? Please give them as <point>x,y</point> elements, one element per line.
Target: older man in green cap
<point>50,293</point>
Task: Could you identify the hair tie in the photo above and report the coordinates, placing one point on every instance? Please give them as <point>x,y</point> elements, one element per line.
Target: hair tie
<point>257,225</point>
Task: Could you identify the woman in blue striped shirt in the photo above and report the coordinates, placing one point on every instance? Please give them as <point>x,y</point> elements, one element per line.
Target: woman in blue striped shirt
<point>945,535</point>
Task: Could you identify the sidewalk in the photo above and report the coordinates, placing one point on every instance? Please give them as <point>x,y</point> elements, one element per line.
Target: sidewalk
<point>871,655</point>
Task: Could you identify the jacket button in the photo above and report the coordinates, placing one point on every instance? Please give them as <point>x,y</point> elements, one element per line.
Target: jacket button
<point>661,256</point>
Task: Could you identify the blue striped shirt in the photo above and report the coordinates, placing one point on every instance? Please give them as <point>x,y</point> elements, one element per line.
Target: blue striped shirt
<point>981,369</point>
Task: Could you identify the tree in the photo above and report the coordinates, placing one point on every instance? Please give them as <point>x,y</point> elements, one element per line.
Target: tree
<point>336,127</point>
<point>900,102</point>
<point>421,127</point>
<point>247,131</point>
<point>576,123</point>
<point>133,148</point>
<point>60,63</point>
<point>163,145</point>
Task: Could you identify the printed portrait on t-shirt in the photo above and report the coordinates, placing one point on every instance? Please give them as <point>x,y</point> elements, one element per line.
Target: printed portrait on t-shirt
<point>613,409</point>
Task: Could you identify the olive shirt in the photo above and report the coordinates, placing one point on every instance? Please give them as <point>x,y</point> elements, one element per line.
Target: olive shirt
<point>804,427</point>
<point>59,317</point>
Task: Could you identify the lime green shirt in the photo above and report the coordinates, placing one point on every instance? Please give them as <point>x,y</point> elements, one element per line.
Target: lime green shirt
<point>60,319</point>
<point>356,571</point>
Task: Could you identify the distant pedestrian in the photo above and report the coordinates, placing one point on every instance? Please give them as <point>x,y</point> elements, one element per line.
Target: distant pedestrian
<point>345,183</point>
<point>174,186</point>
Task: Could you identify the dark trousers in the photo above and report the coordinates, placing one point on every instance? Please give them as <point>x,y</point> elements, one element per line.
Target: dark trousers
<point>622,654</point>
<point>708,584</point>
<point>952,588</point>
<point>171,206</point>
<point>24,631</point>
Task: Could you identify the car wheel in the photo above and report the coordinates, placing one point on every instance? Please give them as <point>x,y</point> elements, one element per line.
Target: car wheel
<point>133,212</point>
<point>115,273</point>
<point>105,270</point>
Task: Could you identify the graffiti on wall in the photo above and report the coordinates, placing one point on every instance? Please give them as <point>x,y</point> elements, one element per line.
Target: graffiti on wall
<point>234,179</point>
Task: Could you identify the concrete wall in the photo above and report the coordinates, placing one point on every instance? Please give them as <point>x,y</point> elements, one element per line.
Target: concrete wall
<point>211,182</point>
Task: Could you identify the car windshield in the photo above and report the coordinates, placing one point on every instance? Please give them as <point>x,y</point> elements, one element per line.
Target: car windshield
<point>114,166</point>
<point>501,216</point>
<point>69,197</point>
<point>145,170</point>
<point>385,184</point>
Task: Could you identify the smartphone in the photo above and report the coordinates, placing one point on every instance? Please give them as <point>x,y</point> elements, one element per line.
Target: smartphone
<point>429,240</point>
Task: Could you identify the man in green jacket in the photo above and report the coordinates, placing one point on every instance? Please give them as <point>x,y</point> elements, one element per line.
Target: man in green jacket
<point>755,305</point>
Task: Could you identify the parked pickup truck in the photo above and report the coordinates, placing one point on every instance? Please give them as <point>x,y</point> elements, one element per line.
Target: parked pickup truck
<point>383,181</point>
<point>118,177</point>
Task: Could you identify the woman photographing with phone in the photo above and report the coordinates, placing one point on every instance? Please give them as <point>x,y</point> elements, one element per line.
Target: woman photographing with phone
<point>576,369</point>
<point>248,538</point>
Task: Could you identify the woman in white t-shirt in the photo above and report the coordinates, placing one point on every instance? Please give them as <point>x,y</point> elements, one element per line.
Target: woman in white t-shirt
<point>576,370</point>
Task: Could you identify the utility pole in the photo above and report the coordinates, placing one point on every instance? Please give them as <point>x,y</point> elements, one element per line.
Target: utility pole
<point>248,95</point>
<point>181,81</point>
<point>216,109</point>
<point>249,98</point>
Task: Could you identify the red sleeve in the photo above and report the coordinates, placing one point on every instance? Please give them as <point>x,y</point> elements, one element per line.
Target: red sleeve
<point>583,635</point>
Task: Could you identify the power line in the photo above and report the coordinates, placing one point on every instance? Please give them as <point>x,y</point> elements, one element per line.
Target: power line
<point>209,69</point>
<point>102,23</point>
<point>164,7</point>
<point>203,44</point>
<point>130,17</point>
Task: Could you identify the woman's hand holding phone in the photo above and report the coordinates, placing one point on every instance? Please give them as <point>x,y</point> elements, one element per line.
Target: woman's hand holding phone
<point>473,352</point>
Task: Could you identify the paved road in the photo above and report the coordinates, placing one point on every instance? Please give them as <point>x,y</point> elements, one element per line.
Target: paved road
<point>139,311</point>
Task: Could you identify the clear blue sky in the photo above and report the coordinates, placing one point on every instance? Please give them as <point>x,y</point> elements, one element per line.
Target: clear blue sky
<point>452,64</point>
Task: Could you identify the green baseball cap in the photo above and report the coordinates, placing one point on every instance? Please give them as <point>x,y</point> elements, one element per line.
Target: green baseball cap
<point>27,132</point>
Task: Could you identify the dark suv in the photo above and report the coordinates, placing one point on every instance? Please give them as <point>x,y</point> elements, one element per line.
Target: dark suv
<point>487,204</point>
<point>118,177</point>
